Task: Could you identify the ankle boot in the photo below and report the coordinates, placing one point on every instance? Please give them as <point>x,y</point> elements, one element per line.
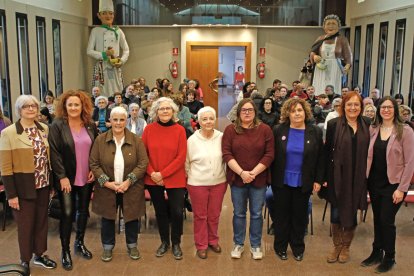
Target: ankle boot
<point>66,260</point>
<point>337,243</point>
<point>386,264</point>
<point>375,257</point>
<point>347,237</point>
<point>81,250</point>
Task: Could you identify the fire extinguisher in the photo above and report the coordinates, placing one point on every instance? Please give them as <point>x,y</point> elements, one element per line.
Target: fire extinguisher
<point>174,69</point>
<point>260,68</point>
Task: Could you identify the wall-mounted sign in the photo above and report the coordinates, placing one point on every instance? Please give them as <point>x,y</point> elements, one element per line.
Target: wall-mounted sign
<point>262,52</point>
<point>175,51</point>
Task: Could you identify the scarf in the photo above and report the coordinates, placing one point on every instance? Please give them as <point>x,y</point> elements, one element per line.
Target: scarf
<point>112,29</point>
<point>350,184</point>
<point>315,47</point>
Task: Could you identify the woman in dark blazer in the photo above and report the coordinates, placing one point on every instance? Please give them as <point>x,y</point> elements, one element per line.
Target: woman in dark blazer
<point>346,149</point>
<point>71,137</point>
<point>298,170</point>
<point>101,114</point>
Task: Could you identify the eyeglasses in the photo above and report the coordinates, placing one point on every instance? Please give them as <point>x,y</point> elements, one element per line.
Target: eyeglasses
<point>267,103</point>
<point>389,107</point>
<point>247,110</point>
<point>28,106</point>
<point>162,109</point>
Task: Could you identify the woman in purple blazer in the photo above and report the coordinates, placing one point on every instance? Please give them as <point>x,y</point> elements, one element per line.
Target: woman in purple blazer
<point>389,171</point>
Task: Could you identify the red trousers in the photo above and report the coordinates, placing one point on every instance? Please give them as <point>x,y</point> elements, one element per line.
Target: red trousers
<point>206,202</point>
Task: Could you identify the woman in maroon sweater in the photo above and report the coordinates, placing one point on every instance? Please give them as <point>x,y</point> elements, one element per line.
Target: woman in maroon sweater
<point>166,145</point>
<point>248,150</point>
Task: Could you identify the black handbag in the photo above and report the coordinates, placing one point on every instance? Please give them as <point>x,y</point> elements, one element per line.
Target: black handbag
<point>54,210</point>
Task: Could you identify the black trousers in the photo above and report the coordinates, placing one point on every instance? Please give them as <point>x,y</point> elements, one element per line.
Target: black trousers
<point>108,229</point>
<point>168,211</point>
<point>384,211</point>
<point>75,202</point>
<point>290,212</point>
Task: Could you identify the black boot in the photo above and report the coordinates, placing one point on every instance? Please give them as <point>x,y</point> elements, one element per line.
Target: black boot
<point>386,265</point>
<point>66,260</point>
<point>177,252</point>
<point>162,249</point>
<point>81,250</point>
<point>375,258</point>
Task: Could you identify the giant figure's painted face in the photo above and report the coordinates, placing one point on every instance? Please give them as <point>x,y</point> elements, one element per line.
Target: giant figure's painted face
<point>106,17</point>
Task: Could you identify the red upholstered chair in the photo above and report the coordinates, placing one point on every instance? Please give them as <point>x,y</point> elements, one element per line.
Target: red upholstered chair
<point>5,205</point>
<point>409,198</point>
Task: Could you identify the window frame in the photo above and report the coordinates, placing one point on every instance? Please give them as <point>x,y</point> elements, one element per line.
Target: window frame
<point>366,82</point>
<point>355,68</point>
<point>5,58</point>
<point>378,85</point>
<point>394,58</point>
<point>18,36</point>
<point>39,60</point>
<point>56,23</point>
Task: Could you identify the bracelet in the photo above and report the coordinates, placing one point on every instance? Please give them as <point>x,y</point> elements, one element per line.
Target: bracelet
<point>241,173</point>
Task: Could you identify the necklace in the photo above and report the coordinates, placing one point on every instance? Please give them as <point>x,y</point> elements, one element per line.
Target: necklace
<point>387,128</point>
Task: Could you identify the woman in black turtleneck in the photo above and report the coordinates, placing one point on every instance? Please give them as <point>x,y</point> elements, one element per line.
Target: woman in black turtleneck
<point>166,145</point>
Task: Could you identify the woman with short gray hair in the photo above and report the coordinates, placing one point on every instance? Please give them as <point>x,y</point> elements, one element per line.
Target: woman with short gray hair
<point>27,183</point>
<point>166,145</point>
<point>206,181</point>
<point>135,124</point>
<point>120,182</point>
<point>101,114</point>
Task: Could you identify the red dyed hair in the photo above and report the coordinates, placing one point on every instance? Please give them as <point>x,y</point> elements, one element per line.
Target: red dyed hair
<point>346,98</point>
<point>86,115</point>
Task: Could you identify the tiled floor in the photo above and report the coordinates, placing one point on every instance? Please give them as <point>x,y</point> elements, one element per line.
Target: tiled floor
<point>314,262</point>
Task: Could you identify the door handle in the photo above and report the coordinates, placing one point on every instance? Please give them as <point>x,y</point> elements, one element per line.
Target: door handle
<point>214,85</point>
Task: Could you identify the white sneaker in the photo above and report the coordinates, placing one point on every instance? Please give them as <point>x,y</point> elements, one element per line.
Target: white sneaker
<point>257,253</point>
<point>237,251</point>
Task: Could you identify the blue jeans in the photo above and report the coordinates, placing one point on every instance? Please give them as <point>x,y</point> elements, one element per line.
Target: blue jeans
<point>256,198</point>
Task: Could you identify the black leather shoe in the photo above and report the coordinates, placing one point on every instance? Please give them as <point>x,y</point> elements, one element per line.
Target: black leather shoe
<point>162,249</point>
<point>282,255</point>
<point>177,252</point>
<point>81,250</point>
<point>375,258</point>
<point>66,260</point>
<point>298,257</point>
<point>44,261</point>
<point>386,265</point>
<point>26,266</point>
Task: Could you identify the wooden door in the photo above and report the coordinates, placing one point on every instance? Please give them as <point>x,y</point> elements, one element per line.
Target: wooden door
<point>203,66</point>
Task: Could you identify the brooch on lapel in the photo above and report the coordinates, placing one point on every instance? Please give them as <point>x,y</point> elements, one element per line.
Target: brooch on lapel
<point>283,138</point>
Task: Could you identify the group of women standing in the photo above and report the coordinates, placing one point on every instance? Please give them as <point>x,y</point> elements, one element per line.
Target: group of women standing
<point>292,159</point>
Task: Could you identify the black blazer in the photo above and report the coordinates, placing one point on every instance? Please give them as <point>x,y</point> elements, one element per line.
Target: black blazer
<point>62,150</point>
<point>95,115</point>
<point>313,160</point>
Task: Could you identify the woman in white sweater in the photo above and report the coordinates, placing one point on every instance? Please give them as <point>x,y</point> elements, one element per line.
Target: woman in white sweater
<point>206,181</point>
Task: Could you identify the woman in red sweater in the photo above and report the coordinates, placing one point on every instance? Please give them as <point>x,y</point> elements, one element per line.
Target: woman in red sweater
<point>166,145</point>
